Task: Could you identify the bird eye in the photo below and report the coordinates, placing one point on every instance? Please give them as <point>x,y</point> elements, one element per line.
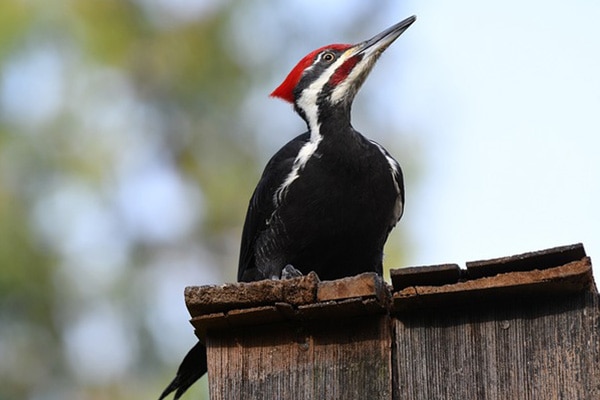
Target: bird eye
<point>328,57</point>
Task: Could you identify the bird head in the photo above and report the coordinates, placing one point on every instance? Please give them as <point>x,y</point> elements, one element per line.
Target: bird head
<point>332,75</point>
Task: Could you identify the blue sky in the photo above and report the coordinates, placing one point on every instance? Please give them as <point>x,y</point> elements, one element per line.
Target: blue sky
<point>512,148</point>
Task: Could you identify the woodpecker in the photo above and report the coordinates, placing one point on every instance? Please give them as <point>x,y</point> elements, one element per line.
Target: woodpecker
<point>328,199</point>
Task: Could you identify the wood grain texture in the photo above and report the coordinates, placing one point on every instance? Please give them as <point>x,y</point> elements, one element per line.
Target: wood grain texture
<point>574,277</point>
<point>431,275</point>
<point>367,284</point>
<point>541,259</point>
<point>524,349</point>
<point>341,359</point>
<point>208,299</point>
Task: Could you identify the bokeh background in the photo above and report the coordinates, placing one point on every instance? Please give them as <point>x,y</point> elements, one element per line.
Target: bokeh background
<point>132,133</point>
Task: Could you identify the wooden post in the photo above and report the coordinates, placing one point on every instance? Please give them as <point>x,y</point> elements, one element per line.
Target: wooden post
<point>326,360</point>
<point>517,350</point>
<point>521,327</point>
<point>527,327</point>
<point>296,339</point>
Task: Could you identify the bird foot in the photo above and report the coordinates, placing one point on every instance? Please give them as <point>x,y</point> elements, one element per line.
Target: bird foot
<point>289,272</point>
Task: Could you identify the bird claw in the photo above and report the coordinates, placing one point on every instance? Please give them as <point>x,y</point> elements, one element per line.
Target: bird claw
<point>289,272</point>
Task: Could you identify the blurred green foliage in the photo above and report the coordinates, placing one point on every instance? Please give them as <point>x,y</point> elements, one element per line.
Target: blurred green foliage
<point>126,162</point>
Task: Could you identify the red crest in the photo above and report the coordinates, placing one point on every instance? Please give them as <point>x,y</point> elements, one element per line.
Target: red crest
<point>285,91</point>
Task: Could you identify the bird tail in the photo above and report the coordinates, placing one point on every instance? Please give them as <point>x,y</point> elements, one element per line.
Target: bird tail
<point>191,369</point>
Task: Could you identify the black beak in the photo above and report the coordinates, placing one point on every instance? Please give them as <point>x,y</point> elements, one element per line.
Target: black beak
<point>381,41</point>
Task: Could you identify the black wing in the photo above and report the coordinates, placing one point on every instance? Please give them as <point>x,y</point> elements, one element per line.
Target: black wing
<point>261,205</point>
<point>398,178</point>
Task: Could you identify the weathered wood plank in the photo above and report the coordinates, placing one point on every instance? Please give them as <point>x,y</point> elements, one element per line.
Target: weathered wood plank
<point>431,275</point>
<point>342,359</point>
<point>570,278</point>
<point>524,349</point>
<point>368,284</point>
<point>438,275</point>
<point>541,259</point>
<point>216,298</point>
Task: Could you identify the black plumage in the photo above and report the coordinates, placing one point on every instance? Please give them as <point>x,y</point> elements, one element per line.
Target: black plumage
<point>335,217</point>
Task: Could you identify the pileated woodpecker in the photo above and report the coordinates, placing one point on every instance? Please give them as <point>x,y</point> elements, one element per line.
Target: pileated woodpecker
<point>328,199</point>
